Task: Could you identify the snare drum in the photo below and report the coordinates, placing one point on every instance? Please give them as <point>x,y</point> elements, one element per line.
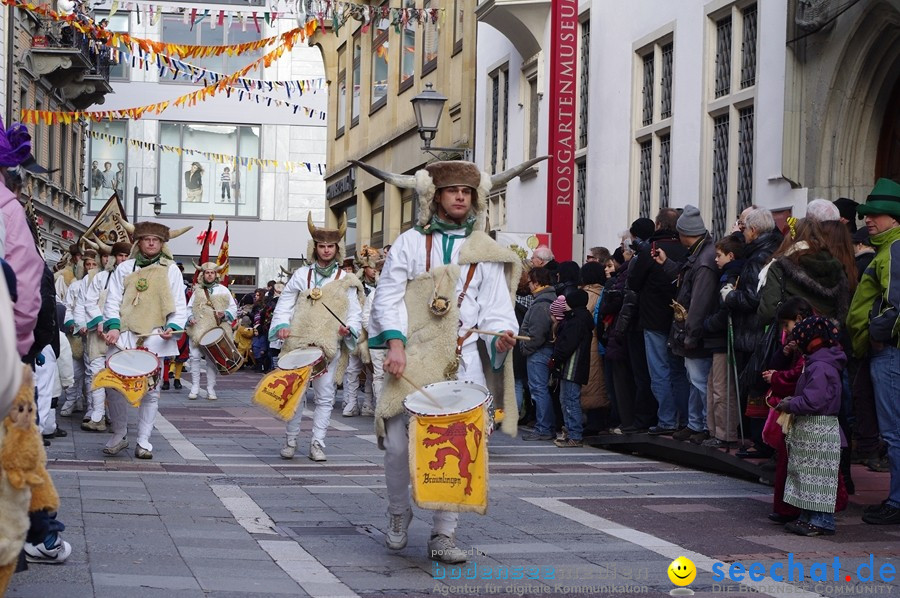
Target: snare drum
<point>447,442</point>
<point>221,351</point>
<point>306,357</point>
<point>133,364</point>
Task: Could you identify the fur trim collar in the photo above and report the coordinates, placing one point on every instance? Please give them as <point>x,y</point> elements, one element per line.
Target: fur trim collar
<point>839,294</point>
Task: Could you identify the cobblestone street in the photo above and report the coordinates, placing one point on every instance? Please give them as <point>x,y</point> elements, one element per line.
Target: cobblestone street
<point>218,513</point>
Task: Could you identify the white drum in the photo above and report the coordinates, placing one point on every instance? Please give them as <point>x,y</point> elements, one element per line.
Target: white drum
<point>453,396</point>
<point>306,357</point>
<point>135,363</point>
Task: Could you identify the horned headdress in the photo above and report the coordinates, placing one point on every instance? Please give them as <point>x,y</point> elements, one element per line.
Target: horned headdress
<point>320,234</point>
<point>449,173</point>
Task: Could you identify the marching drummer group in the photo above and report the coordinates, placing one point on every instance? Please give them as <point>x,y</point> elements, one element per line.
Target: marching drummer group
<point>444,283</point>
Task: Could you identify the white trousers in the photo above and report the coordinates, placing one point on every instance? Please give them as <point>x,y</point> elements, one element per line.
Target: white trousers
<point>96,407</point>
<point>396,456</point>
<point>323,392</point>
<point>119,407</point>
<point>351,383</point>
<point>45,378</point>
<point>197,355</point>
<point>378,356</point>
<point>76,392</point>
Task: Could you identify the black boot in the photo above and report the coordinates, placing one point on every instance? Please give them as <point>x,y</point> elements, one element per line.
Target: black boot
<point>165,385</point>
<point>845,471</point>
<point>177,384</point>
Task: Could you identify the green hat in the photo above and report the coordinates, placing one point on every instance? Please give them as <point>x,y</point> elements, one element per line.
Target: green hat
<point>884,199</point>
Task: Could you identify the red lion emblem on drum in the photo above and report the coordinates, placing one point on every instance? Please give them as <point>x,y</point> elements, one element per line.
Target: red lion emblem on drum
<point>457,434</point>
<point>289,382</point>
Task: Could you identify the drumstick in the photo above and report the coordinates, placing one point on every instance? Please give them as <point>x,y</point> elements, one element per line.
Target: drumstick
<point>515,336</point>
<point>424,392</point>
<point>174,332</point>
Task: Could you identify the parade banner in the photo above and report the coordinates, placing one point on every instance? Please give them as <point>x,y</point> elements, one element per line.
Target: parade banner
<point>107,225</point>
<point>222,259</point>
<point>563,83</point>
<point>280,391</point>
<point>132,388</point>
<point>523,244</point>
<point>449,461</point>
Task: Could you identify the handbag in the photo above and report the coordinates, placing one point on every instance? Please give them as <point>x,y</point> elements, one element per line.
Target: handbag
<point>751,378</point>
<point>756,407</point>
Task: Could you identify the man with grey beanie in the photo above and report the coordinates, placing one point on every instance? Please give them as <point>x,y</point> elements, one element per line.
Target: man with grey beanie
<point>697,289</point>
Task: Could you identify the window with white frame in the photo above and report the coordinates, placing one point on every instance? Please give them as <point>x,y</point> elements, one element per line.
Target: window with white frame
<point>209,32</point>
<point>532,96</point>
<point>357,78</point>
<point>654,64</point>
<point>497,209</point>
<point>341,115</point>
<point>379,70</point>
<point>730,109</point>
<point>430,39</point>
<point>408,54</point>
<point>499,118</point>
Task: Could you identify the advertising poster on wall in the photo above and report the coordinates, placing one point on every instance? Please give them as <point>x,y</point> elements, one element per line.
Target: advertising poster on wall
<point>523,244</point>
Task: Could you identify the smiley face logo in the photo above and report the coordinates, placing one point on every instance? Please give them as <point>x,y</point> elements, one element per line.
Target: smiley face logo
<point>682,571</point>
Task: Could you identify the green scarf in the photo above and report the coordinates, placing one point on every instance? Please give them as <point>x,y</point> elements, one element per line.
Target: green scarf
<point>327,271</point>
<point>437,224</point>
<point>143,262</point>
<point>206,285</point>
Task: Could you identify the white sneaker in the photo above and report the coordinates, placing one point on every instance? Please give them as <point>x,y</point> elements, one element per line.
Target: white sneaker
<point>367,411</point>
<point>316,453</point>
<point>39,553</point>
<point>350,410</point>
<point>397,537</point>
<point>289,448</point>
<point>193,395</point>
<point>67,409</point>
<point>116,448</point>
<point>442,548</point>
<point>142,453</point>
<point>211,397</point>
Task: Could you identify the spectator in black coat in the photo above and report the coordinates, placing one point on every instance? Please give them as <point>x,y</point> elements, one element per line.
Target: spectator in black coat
<point>572,361</point>
<point>864,251</point>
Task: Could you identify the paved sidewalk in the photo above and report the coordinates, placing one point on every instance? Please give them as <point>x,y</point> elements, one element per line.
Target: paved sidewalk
<point>218,513</point>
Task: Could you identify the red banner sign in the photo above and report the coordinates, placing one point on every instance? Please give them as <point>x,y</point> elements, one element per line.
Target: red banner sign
<point>563,82</point>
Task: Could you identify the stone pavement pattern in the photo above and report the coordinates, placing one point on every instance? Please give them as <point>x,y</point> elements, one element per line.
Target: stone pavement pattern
<point>217,513</point>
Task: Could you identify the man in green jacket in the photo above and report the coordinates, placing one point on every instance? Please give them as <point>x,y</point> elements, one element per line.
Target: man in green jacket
<point>874,326</point>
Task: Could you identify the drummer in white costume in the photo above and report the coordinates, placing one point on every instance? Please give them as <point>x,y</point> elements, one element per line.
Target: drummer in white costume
<point>301,320</point>
<point>75,332</point>
<point>464,278</point>
<point>211,305</point>
<point>91,311</point>
<point>146,294</point>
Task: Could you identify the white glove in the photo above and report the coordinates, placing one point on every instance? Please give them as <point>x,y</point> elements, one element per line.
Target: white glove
<point>725,290</point>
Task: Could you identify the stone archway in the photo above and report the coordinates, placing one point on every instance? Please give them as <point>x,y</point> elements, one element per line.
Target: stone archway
<point>887,163</point>
<point>858,102</point>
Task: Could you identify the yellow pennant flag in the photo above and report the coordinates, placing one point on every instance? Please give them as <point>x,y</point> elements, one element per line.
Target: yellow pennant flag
<point>450,461</point>
<point>280,391</point>
<point>133,389</point>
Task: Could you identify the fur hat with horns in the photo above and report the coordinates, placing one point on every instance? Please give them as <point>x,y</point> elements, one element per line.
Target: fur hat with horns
<point>209,266</point>
<point>367,257</point>
<point>155,229</point>
<point>326,235</point>
<point>450,173</point>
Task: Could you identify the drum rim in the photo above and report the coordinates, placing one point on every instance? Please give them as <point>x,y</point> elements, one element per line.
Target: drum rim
<point>320,356</point>
<point>468,383</point>
<point>212,331</point>
<point>133,352</point>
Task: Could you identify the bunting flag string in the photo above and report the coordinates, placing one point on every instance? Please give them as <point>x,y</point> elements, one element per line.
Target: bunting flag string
<point>187,100</point>
<point>114,39</point>
<point>288,165</point>
<point>336,13</point>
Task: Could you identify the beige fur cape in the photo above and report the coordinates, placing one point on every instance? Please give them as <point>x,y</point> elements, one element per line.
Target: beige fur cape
<point>205,316</point>
<point>431,339</point>
<point>312,325</point>
<point>143,311</point>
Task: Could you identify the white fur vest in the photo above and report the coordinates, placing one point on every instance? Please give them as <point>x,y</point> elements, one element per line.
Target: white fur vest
<point>144,310</point>
<point>205,315</point>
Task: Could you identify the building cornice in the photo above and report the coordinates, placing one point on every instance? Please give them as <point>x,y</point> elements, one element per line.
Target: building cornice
<point>523,22</point>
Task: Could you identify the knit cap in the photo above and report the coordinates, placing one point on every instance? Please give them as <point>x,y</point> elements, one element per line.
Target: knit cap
<point>642,228</point>
<point>577,298</point>
<point>558,308</point>
<point>690,223</point>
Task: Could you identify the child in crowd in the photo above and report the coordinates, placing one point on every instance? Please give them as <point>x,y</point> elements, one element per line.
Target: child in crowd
<point>814,438</point>
<point>572,360</point>
<point>785,369</point>
<point>721,396</point>
<point>244,340</point>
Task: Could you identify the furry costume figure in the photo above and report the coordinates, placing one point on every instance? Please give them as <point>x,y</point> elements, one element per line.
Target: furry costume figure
<point>205,316</point>
<point>431,339</point>
<point>25,484</point>
<point>312,325</point>
<point>142,311</point>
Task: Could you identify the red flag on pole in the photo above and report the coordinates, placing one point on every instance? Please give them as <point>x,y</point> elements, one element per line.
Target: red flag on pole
<point>223,257</point>
<point>204,253</point>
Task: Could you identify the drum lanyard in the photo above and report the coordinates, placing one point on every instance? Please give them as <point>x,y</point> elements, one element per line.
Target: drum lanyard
<point>210,304</point>
<point>459,340</point>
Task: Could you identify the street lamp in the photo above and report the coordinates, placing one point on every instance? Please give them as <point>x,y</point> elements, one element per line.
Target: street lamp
<point>429,107</point>
<point>157,203</point>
